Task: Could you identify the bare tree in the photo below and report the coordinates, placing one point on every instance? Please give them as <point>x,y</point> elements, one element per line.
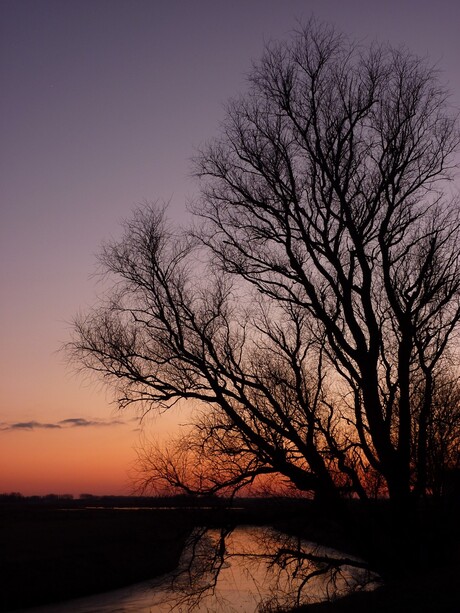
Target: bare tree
<point>314,312</point>
<point>324,192</point>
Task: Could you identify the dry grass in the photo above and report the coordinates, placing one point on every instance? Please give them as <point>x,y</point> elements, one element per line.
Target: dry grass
<point>47,555</point>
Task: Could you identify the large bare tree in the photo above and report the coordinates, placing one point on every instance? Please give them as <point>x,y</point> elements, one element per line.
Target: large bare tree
<point>312,316</point>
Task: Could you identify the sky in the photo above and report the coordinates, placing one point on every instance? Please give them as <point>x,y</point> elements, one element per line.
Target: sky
<point>103,104</point>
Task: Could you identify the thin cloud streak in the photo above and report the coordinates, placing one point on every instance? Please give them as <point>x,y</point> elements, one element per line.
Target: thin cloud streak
<point>79,422</point>
<point>73,422</point>
<point>28,425</point>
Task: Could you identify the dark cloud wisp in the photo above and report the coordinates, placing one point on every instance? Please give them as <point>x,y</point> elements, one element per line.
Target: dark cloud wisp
<point>73,422</point>
<point>78,422</point>
<point>28,425</point>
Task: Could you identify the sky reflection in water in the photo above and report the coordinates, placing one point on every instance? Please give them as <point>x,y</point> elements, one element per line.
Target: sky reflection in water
<point>244,582</point>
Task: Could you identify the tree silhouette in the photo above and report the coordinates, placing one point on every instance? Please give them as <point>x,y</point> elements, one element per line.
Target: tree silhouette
<point>311,315</point>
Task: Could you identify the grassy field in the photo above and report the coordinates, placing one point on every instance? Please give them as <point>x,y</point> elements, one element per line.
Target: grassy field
<point>48,555</point>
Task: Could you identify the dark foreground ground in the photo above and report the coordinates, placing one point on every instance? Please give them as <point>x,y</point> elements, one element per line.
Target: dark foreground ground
<point>48,555</point>
<point>437,591</point>
<point>53,550</point>
<point>64,550</point>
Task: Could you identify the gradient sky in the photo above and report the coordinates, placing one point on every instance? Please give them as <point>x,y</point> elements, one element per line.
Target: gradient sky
<point>103,103</point>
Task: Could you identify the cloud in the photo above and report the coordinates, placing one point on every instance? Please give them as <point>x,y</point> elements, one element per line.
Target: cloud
<point>80,422</point>
<point>28,425</point>
<point>72,422</point>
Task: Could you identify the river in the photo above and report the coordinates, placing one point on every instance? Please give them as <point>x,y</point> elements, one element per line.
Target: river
<point>244,582</point>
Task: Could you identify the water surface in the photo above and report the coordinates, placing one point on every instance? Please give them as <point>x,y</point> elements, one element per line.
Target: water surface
<point>244,581</point>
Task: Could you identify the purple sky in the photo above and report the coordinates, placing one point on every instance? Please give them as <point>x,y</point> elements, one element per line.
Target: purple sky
<point>102,105</point>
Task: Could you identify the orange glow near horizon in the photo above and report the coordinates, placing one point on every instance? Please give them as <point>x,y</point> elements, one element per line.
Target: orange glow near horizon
<point>95,459</point>
<point>74,461</point>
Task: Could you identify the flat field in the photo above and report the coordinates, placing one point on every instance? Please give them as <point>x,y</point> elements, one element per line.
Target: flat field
<point>49,554</point>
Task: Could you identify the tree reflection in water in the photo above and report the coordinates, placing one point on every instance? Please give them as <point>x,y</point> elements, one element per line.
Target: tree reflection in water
<point>260,569</point>
<point>246,570</point>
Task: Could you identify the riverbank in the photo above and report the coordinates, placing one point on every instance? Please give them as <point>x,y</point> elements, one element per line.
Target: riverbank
<point>49,555</point>
<point>436,591</point>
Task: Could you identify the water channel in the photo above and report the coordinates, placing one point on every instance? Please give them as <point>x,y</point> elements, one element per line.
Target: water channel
<point>244,582</point>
